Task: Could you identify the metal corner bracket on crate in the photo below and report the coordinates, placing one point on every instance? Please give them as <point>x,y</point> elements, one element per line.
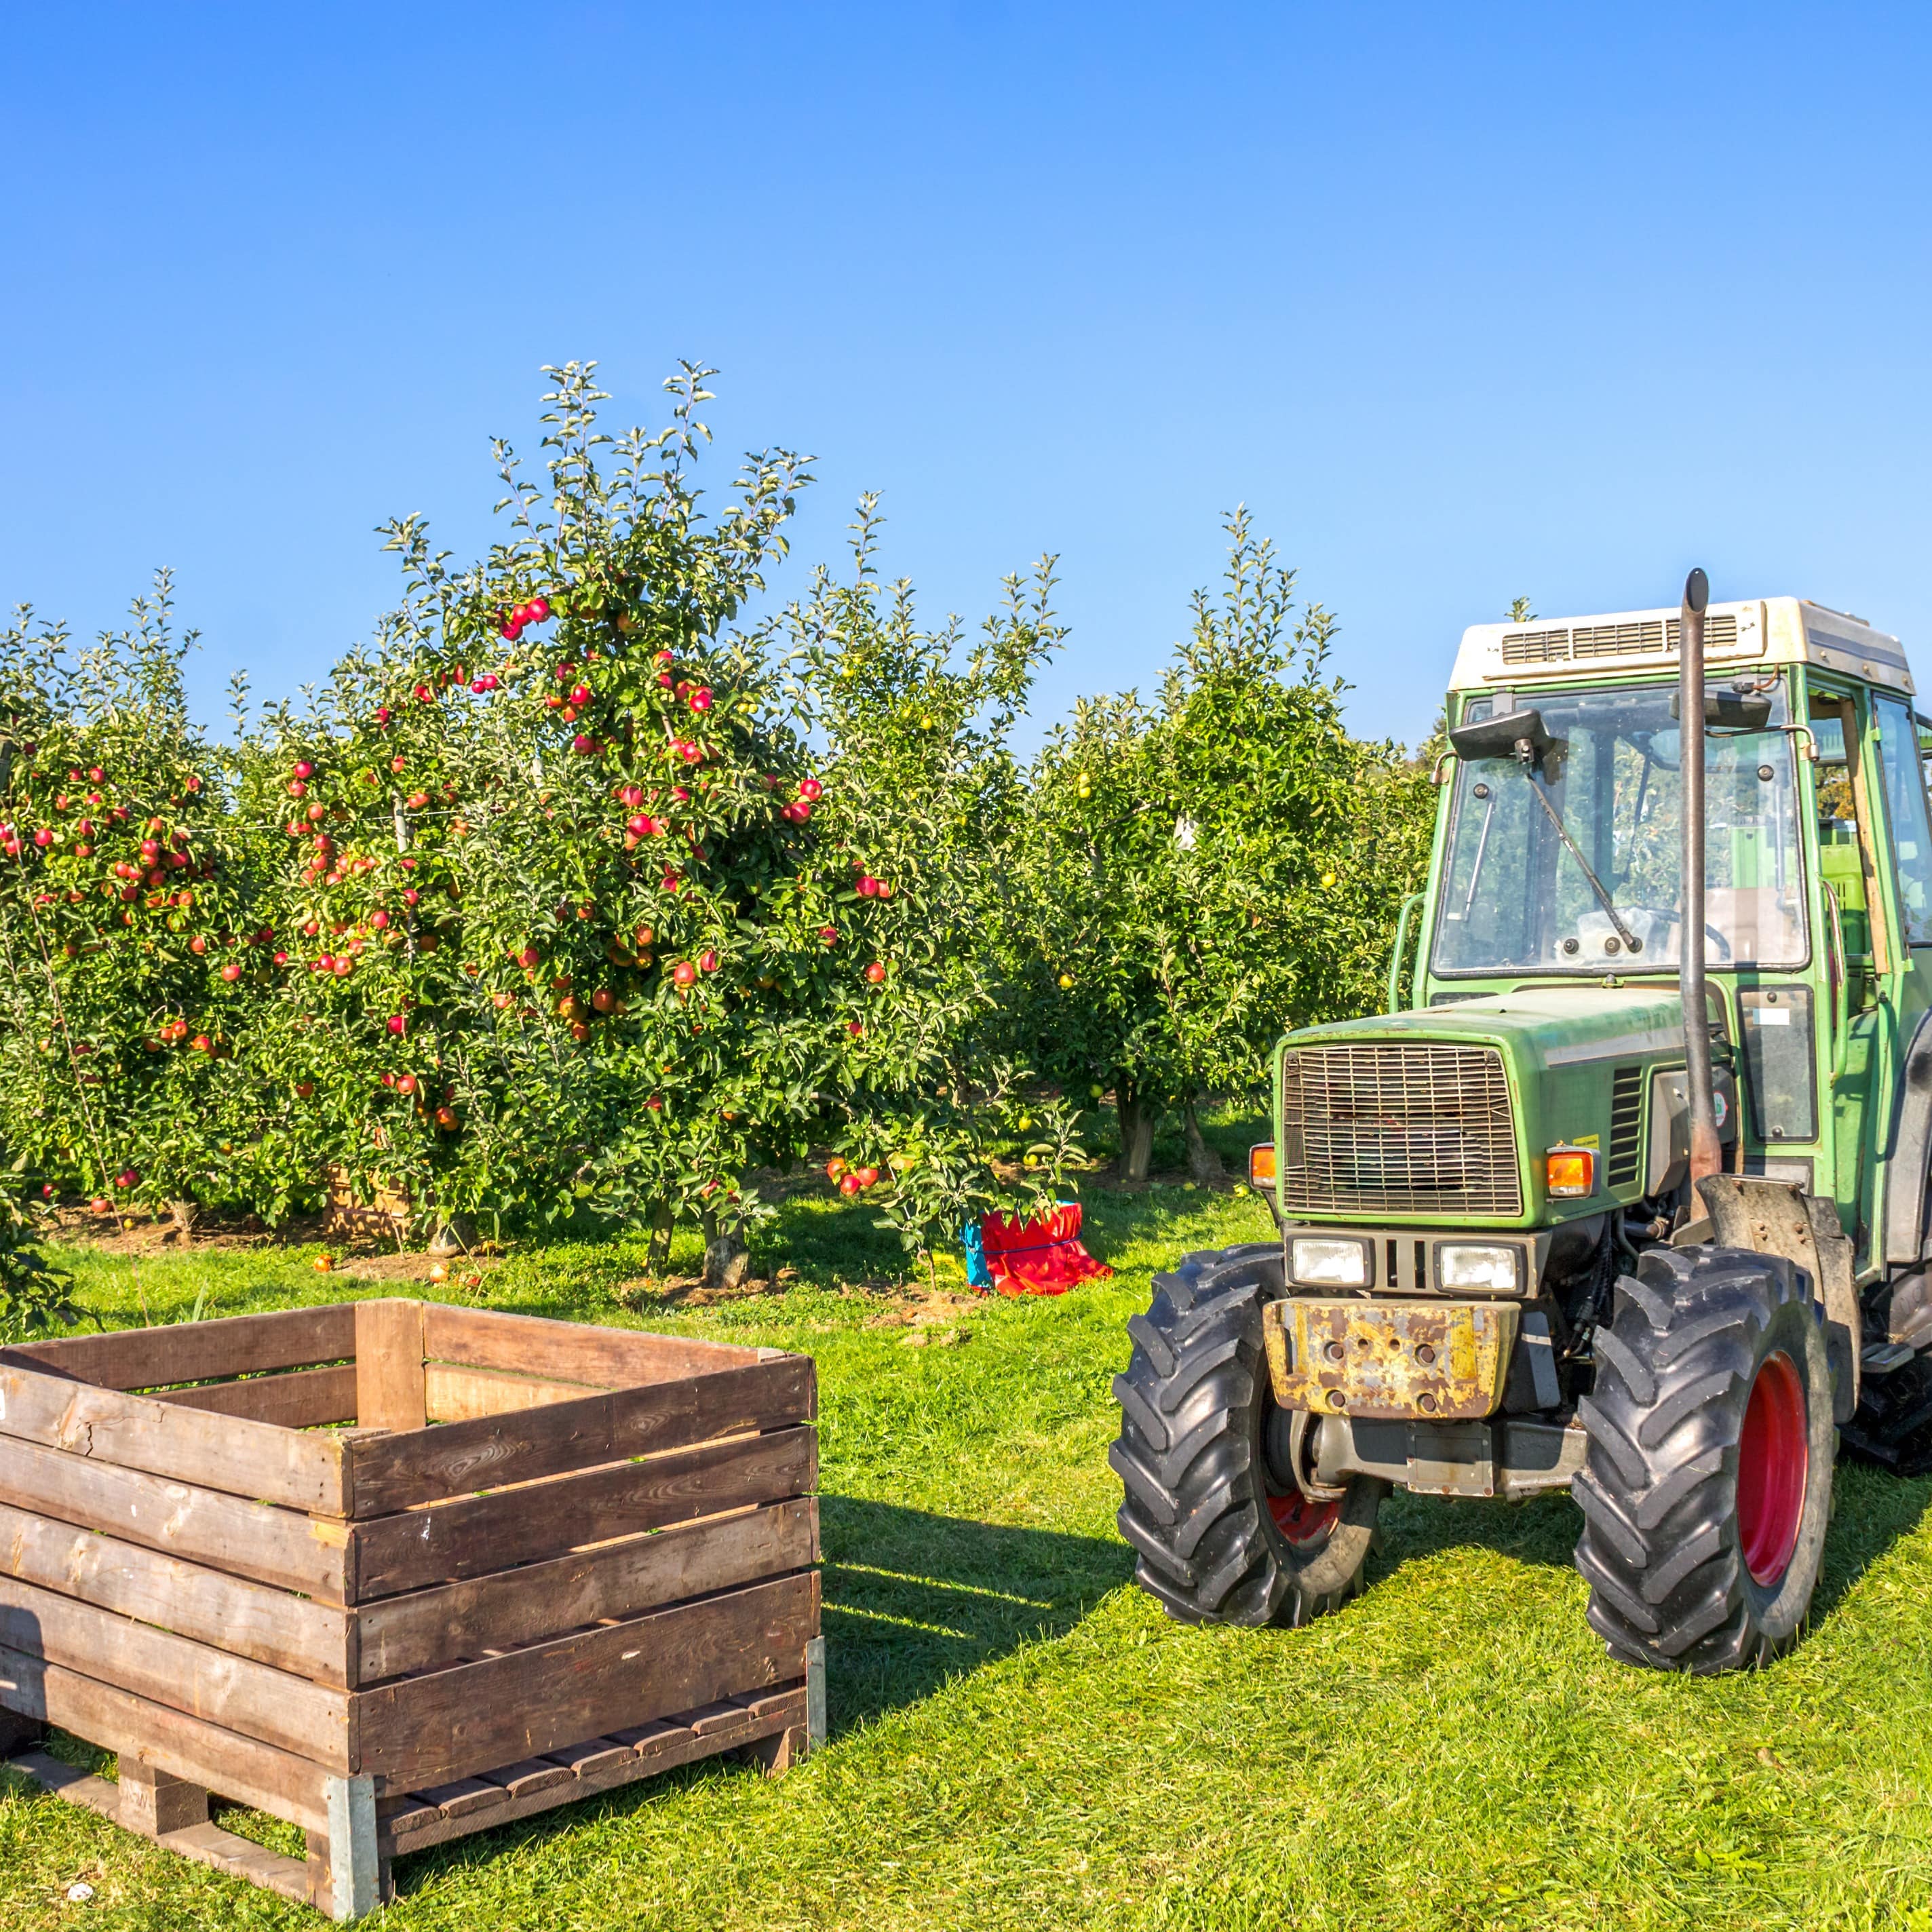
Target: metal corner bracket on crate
<point>237,1554</point>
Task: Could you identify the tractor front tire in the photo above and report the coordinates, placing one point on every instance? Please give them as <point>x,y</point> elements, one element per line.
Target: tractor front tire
<point>1222,1532</point>
<point>1706,1487</point>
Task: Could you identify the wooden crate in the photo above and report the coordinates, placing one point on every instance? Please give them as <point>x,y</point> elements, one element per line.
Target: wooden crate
<point>395,1571</point>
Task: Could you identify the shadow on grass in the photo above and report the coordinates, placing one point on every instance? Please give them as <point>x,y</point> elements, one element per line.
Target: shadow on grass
<point>1871,1511</point>
<point>912,1599</point>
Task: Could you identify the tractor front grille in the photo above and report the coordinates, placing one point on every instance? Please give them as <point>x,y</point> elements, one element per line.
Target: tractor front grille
<point>1390,1130</point>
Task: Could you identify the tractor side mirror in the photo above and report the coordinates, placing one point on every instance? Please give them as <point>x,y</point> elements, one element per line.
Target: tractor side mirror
<point>1516,734</point>
<point>1734,710</point>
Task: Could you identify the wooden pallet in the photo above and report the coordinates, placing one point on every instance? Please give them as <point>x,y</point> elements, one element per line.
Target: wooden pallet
<point>239,1554</point>
<point>775,1729</point>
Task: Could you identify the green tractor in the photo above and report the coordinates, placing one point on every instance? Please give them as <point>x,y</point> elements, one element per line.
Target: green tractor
<point>1586,1209</point>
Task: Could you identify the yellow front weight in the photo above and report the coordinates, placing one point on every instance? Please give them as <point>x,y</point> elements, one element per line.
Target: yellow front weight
<point>1438,1360</point>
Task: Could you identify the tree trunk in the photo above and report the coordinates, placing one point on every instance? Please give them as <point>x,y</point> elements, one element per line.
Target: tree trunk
<point>183,1212</point>
<point>1204,1164</point>
<point>1137,1119</point>
<point>727,1259</point>
<point>659,1250</point>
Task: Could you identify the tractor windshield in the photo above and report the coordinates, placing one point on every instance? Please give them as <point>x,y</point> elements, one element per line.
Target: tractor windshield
<point>1514,898</point>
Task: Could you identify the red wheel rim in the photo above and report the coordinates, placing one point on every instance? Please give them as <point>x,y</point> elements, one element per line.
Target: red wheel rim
<point>1301,1521</point>
<point>1773,1461</point>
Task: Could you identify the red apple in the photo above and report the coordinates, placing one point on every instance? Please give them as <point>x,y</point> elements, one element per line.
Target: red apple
<point>397,1023</point>
<point>707,961</point>
<point>684,973</point>
<point>197,944</point>
<point>579,694</point>
<point>810,789</point>
<point>854,1028</point>
<point>44,837</point>
<point>829,933</point>
<point>701,698</point>
<point>849,1186</point>
<point>655,1103</point>
<point>603,1000</point>
<point>538,608</point>
<point>378,919</point>
<point>303,769</point>
<point>231,972</point>
<point>407,1084</point>
<point>835,1169</point>
<point>304,1088</point>
<point>876,972</point>
<point>201,1043</point>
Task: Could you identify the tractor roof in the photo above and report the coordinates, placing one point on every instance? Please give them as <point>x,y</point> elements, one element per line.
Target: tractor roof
<point>1766,630</point>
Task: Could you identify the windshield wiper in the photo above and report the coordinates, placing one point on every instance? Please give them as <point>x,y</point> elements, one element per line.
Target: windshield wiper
<point>1631,942</point>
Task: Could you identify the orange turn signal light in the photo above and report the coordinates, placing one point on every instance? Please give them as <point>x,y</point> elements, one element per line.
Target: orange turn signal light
<point>1569,1173</point>
<point>1260,1164</point>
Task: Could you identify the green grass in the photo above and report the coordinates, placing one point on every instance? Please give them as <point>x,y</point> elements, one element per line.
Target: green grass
<point>1019,1737</point>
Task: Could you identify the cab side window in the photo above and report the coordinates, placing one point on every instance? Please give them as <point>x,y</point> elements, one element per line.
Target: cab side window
<point>1905,808</point>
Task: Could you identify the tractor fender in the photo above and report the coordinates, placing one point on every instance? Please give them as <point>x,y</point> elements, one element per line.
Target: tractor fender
<point>1909,1149</point>
<point>1775,1217</point>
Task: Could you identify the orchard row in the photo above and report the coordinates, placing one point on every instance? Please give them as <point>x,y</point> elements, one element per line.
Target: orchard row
<point>573,894</point>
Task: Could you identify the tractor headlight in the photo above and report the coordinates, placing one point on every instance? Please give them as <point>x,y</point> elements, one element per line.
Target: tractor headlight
<point>1460,1265</point>
<point>1320,1262</point>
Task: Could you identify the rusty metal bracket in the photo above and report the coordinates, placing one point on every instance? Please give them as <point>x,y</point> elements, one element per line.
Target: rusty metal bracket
<point>1434,1360</point>
<point>1777,1217</point>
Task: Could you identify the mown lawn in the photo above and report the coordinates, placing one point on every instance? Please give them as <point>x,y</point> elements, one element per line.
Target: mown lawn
<point>1019,1737</point>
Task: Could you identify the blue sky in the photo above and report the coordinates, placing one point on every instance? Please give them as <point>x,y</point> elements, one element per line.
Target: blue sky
<point>1465,303</point>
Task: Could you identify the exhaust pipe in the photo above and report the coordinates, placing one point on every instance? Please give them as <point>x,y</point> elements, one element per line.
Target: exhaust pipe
<point>1706,1156</point>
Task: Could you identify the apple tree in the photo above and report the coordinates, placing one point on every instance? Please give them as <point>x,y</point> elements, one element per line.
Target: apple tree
<point>1203,873</point>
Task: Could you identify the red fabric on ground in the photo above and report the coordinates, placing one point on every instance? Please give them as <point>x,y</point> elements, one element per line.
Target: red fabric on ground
<point>1042,1256</point>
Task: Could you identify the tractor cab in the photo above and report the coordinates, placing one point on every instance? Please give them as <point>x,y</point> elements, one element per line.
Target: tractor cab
<point>1627,1190</point>
<point>1817,936</point>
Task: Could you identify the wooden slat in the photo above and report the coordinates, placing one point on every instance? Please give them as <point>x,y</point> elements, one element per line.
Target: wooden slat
<point>482,1338</point>
<point>648,1735</point>
<point>464,1395</point>
<point>389,1364</point>
<point>456,1722</point>
<point>273,1626</point>
<point>242,1768</point>
<point>238,1695</point>
<point>406,1816</point>
<point>534,1774</point>
<point>430,1628</point>
<point>586,1760</point>
<point>100,1795</point>
<point>475,1535</point>
<point>297,1399</point>
<point>464,1797</point>
<point>187,1351</point>
<point>219,1452</point>
<point>670,1745</point>
<point>239,1858</point>
<point>389,1473</point>
<point>709,1719</point>
<point>222,1532</point>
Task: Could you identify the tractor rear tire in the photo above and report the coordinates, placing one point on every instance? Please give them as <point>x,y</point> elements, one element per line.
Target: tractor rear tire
<point>1222,1532</point>
<point>1706,1487</point>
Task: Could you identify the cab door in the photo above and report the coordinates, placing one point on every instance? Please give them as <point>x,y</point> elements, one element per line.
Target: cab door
<point>1908,889</point>
<point>1866,960</point>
